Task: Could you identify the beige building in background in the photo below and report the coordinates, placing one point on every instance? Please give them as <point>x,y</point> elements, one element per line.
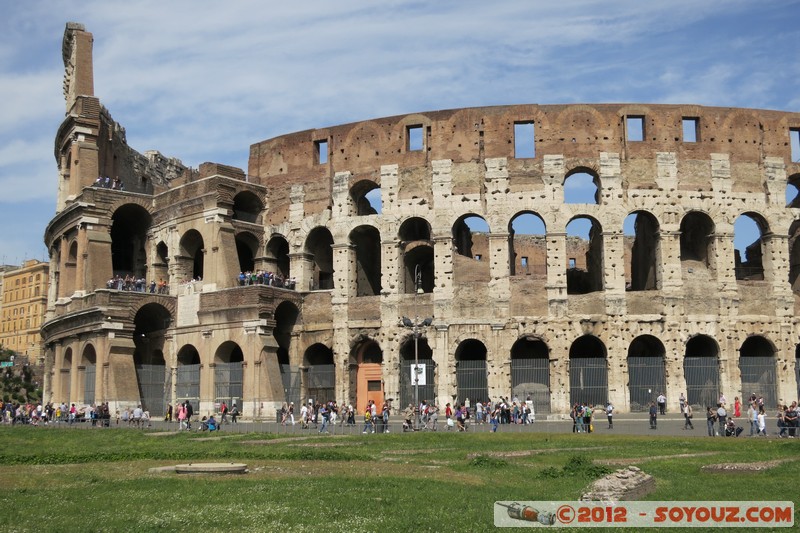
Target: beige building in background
<point>373,221</point>
<point>24,304</point>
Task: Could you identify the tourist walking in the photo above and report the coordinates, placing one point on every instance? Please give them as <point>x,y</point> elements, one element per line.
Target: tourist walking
<point>653,416</point>
<point>687,417</point>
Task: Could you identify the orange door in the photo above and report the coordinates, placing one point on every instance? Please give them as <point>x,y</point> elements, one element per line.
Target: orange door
<point>369,386</point>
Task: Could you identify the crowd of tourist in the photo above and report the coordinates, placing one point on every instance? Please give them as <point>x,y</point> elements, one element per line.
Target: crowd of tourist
<point>107,183</point>
<point>132,283</point>
<point>262,277</point>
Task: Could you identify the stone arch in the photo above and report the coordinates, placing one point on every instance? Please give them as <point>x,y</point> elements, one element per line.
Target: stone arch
<point>757,366</point>
<point>471,379</point>
<point>701,371</point>
<point>129,226</point>
<point>585,249</point>
<point>417,255</point>
<point>229,373</point>
<point>247,247</point>
<point>66,375</point>
<point>277,255</point>
<point>88,365</point>
<point>320,374</point>
<point>191,258</point>
<point>247,207</point>
<point>366,241</point>
<point>366,371</point>
<point>581,117</point>
<point>588,371</point>
<point>527,245</point>
<point>366,198</point>
<point>187,375</point>
<point>530,372</point>
<point>642,252</point>
<point>423,354</point>
<point>697,240</point>
<point>793,191</point>
<point>646,371</point>
<point>361,140</point>
<point>150,323</point>
<point>576,186</point>
<point>319,245</point>
<point>287,321</point>
<point>748,263</point>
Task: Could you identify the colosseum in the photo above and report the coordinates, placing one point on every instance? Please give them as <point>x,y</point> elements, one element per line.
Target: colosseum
<point>346,255</point>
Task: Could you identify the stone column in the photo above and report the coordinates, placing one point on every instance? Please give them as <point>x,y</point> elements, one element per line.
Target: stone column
<point>301,264</point>
<point>557,273</point>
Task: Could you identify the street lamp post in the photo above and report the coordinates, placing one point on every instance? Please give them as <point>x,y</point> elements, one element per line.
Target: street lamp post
<point>416,325</point>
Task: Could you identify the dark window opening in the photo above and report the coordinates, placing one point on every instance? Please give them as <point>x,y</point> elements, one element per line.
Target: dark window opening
<point>794,138</point>
<point>635,127</point>
<point>415,141</point>
<point>321,152</point>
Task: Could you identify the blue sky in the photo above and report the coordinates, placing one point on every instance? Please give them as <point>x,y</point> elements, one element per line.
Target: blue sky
<point>202,80</point>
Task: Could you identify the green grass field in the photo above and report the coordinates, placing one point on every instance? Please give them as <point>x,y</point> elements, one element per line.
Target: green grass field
<point>98,480</point>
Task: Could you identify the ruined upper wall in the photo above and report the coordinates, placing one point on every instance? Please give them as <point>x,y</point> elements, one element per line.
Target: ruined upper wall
<point>575,131</point>
<point>76,52</point>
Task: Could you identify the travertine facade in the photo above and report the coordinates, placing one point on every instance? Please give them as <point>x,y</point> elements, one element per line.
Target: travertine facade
<point>673,308</point>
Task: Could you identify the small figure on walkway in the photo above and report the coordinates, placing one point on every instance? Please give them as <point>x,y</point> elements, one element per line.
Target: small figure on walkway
<point>687,417</point>
<point>653,416</point>
<point>610,415</point>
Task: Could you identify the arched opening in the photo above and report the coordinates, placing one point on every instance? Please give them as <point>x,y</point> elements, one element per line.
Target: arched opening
<point>415,241</point>
<point>471,237</point>
<point>321,374</point>
<point>646,371</point>
<point>701,370</point>
<point>793,190</point>
<point>641,242</point>
<point>228,374</point>
<point>187,376</point>
<point>530,373</point>
<point>527,245</point>
<point>190,261</point>
<point>367,357</point>
<point>697,240</point>
<point>748,233</point>
<point>582,186</point>
<point>426,385</point>
<point>471,380</point>
<point>247,207</point>
<point>277,256</point>
<point>287,318</point>
<point>152,377</point>
<point>588,371</point>
<point>757,366</point>
<point>797,368</point>
<point>366,240</point>
<point>318,245</point>
<point>89,364</point>
<point>366,197</point>
<point>129,226</point>
<point>584,256</point>
<point>247,246</point>
<point>66,375</point>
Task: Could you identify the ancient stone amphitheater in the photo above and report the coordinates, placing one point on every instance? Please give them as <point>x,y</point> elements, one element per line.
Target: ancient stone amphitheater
<point>444,238</point>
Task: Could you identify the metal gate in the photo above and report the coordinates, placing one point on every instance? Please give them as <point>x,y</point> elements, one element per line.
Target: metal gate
<point>228,378</point>
<point>758,376</point>
<point>702,380</point>
<point>188,384</point>
<point>471,381</point>
<point>588,380</point>
<point>646,380</point>
<point>426,391</point>
<point>321,383</point>
<point>530,378</point>
<point>153,388</point>
<point>89,377</point>
<point>290,376</point>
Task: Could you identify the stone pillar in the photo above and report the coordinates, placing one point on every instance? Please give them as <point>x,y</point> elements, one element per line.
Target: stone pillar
<point>500,283</point>
<point>445,365</point>
<point>557,273</point>
<point>301,264</point>
<point>614,272</point>
<point>344,268</point>
<point>391,267</point>
<point>498,364</point>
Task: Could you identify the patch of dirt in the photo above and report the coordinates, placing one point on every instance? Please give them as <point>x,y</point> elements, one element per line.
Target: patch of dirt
<point>527,453</point>
<point>633,460</point>
<point>745,467</point>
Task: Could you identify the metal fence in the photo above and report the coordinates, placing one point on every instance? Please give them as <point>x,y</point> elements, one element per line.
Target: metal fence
<point>530,378</point>
<point>426,391</point>
<point>154,385</point>
<point>321,383</point>
<point>646,380</point>
<point>702,380</point>
<point>758,376</point>
<point>471,381</point>
<point>228,379</point>
<point>89,377</point>
<point>188,384</point>
<point>588,380</point>
<point>290,376</point>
